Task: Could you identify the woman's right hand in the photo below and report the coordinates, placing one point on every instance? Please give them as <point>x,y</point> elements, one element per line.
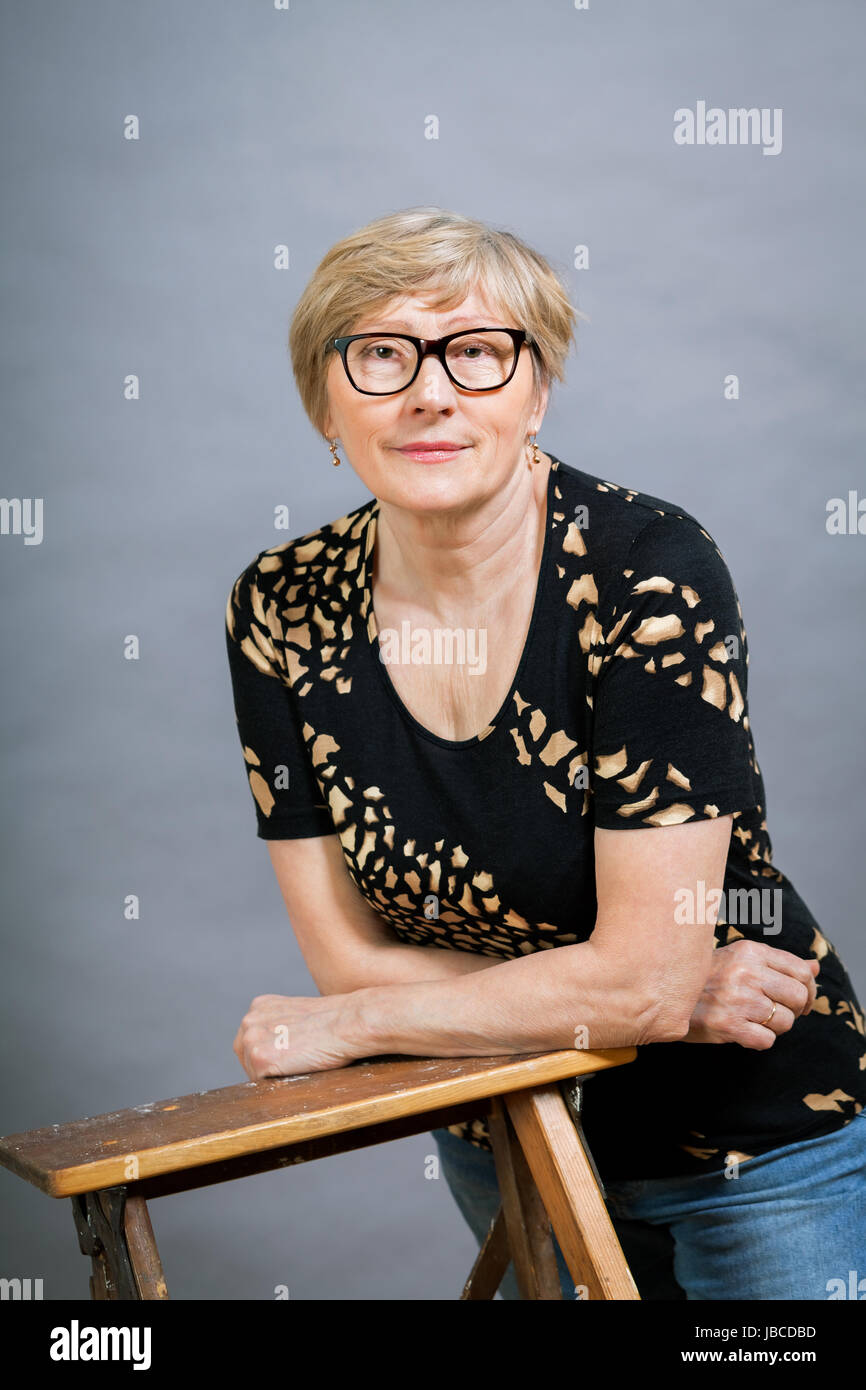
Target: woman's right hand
<point>746,979</point>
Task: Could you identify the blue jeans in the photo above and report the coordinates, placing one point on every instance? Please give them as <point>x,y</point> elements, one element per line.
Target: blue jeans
<point>790,1224</point>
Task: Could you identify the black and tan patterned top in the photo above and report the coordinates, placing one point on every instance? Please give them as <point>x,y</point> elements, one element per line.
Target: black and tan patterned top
<point>629,708</point>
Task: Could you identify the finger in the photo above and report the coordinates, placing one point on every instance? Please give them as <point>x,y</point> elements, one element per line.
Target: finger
<point>757,1034</point>
<point>238,1044</point>
<point>811,985</point>
<point>782,1018</point>
<point>789,964</point>
<point>253,1038</point>
<point>747,1034</point>
<point>813,988</point>
<point>789,989</point>
<point>785,963</point>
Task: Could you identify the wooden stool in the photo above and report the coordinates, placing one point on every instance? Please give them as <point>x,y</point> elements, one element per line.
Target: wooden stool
<point>110,1165</point>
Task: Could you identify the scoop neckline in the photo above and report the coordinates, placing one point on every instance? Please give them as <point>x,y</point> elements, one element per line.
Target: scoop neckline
<point>372,630</point>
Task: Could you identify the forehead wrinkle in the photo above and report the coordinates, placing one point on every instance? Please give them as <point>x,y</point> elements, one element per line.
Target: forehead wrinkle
<point>400,325</point>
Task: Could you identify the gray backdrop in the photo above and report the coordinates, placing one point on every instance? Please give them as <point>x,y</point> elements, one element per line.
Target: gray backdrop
<point>260,127</point>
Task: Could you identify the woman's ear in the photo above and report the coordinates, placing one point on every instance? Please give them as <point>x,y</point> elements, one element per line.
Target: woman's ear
<point>539,410</point>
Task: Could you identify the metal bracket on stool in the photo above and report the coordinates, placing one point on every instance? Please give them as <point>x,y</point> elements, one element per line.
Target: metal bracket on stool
<point>572,1093</point>
<point>99,1221</point>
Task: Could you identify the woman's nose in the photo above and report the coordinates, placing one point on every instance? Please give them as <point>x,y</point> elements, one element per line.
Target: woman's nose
<point>432,384</point>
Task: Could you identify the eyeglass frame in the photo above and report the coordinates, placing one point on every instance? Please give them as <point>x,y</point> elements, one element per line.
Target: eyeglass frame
<point>436,347</point>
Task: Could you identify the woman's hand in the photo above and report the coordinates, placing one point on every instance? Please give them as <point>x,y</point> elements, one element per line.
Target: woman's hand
<point>285,1035</point>
<point>288,1035</point>
<point>746,979</point>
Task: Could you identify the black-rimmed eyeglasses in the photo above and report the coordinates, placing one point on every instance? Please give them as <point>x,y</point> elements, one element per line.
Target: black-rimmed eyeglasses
<point>478,359</point>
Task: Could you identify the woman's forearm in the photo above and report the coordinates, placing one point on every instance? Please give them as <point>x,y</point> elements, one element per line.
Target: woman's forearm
<point>408,964</point>
<point>570,997</point>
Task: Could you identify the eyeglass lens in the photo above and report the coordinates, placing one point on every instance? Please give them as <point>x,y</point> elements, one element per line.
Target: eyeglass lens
<point>475,360</point>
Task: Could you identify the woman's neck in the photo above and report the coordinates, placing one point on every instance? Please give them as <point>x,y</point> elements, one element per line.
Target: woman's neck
<point>454,566</point>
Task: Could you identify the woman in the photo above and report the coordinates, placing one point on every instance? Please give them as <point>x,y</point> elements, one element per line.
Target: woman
<point>453,700</point>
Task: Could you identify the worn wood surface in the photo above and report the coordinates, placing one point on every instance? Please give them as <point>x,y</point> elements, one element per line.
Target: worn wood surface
<point>168,1136</point>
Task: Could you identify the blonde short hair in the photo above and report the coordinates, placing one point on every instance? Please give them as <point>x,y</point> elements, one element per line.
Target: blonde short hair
<point>426,249</point>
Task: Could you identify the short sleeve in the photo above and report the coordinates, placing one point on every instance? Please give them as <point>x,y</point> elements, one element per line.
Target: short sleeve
<point>287,799</point>
<point>671,739</point>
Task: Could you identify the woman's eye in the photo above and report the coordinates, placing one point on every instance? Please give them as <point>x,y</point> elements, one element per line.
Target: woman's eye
<point>377,349</point>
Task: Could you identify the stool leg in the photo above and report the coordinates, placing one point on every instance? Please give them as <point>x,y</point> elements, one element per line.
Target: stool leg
<point>143,1254</point>
<point>526,1219</point>
<point>559,1160</point>
<point>492,1261</point>
<point>115,1230</point>
<point>100,1280</point>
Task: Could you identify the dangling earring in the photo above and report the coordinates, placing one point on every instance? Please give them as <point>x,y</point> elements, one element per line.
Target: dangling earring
<point>535,456</point>
<point>333,448</point>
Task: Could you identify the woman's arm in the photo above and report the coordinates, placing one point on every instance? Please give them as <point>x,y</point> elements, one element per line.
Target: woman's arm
<point>349,947</point>
<point>346,944</point>
<point>636,980</point>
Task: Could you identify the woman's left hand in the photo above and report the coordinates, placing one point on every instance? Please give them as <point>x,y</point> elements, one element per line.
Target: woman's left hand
<point>287,1035</point>
<point>753,993</point>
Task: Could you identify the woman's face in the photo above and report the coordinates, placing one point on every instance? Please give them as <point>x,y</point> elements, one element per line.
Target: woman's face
<point>491,426</point>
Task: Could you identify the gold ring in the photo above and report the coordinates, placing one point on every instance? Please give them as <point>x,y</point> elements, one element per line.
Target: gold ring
<point>769,1017</point>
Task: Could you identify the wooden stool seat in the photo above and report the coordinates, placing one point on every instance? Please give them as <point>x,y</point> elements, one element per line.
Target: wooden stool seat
<point>110,1165</point>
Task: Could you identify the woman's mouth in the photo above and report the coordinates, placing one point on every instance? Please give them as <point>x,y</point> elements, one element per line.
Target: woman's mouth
<point>432,453</point>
